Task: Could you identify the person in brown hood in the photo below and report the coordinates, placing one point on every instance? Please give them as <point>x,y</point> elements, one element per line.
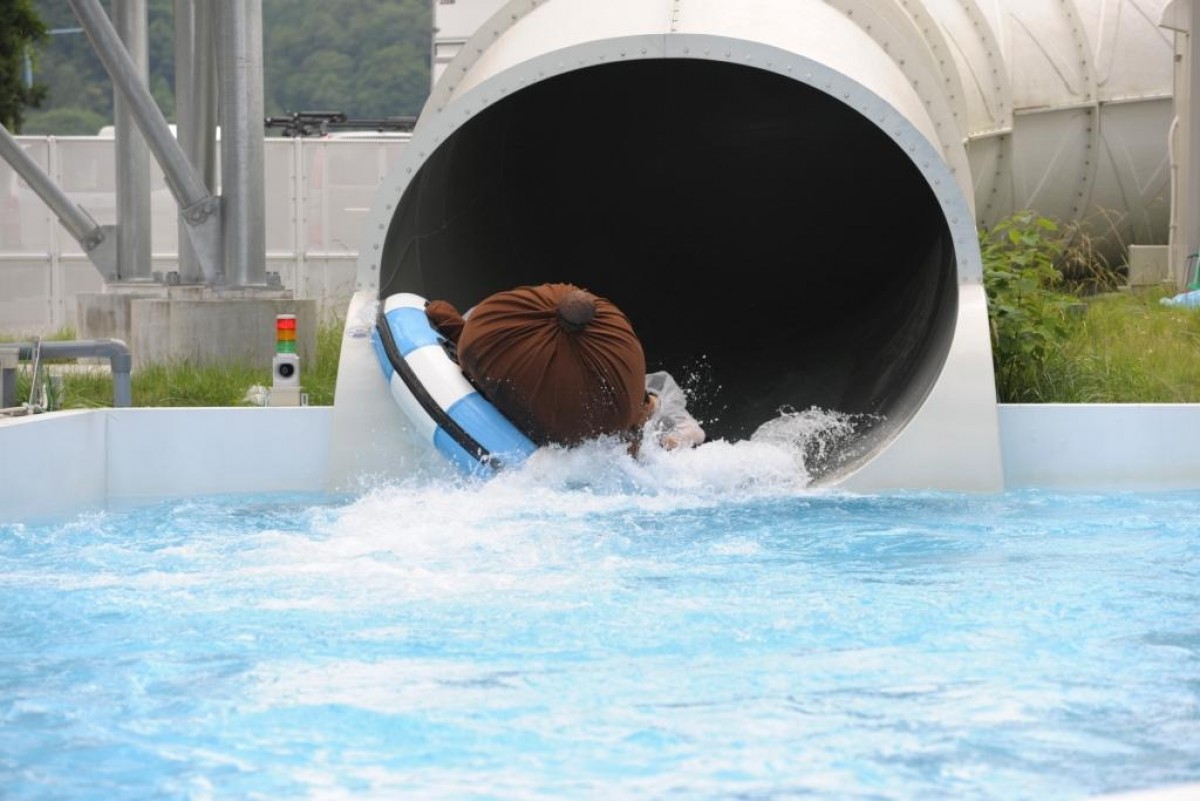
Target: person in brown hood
<point>564,365</point>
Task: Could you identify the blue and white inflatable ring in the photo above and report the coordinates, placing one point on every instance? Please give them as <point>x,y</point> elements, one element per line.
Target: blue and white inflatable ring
<point>443,406</point>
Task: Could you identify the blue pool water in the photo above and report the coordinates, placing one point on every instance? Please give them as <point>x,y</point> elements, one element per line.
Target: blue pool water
<point>699,626</point>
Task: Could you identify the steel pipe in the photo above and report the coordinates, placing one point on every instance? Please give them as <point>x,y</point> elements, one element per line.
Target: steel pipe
<point>240,99</point>
<point>195,111</point>
<point>200,210</point>
<point>182,179</point>
<point>97,241</point>
<point>116,351</point>
<point>134,261</point>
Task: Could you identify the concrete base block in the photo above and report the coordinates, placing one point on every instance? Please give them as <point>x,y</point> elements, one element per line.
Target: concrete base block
<point>107,315</point>
<point>1148,265</point>
<point>285,396</point>
<point>218,330</point>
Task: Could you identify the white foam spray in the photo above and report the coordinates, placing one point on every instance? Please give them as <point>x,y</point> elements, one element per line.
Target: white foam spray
<point>562,485</point>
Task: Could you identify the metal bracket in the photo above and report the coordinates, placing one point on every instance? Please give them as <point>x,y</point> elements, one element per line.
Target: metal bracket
<point>101,247</point>
<point>203,226</point>
<point>201,210</point>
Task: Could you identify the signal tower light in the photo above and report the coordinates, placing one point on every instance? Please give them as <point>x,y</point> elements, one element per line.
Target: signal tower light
<point>285,333</point>
<point>285,367</point>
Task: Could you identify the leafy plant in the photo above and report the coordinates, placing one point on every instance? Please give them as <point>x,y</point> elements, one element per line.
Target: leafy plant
<point>1027,311</point>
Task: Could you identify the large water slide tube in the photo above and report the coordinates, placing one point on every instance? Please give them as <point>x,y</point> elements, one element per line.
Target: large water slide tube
<point>781,194</point>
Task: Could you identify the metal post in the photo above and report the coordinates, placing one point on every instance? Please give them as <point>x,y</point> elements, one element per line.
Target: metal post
<point>10,356</point>
<point>132,154</point>
<point>195,110</point>
<point>240,99</point>
<point>99,242</point>
<point>198,208</point>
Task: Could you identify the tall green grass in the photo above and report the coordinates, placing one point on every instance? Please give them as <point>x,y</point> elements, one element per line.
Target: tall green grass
<point>1126,348</point>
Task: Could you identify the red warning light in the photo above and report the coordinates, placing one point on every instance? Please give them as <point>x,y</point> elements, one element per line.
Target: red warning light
<point>285,333</point>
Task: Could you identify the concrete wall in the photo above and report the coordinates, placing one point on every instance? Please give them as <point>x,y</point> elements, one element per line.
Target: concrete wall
<point>213,331</point>
<point>58,465</point>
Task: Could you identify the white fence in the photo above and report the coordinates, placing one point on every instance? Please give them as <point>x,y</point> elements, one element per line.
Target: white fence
<point>318,193</point>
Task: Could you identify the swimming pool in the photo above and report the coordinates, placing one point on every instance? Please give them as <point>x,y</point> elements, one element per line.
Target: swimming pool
<point>701,626</point>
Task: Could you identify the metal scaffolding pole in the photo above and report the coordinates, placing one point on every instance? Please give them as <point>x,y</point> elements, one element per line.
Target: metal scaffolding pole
<point>240,99</point>
<point>198,208</point>
<point>98,242</point>
<point>132,154</point>
<point>195,110</point>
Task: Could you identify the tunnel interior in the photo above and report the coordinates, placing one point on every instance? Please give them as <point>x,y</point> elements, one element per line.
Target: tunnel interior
<point>773,248</point>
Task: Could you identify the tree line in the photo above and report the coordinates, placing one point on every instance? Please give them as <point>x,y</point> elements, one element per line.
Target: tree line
<point>366,58</point>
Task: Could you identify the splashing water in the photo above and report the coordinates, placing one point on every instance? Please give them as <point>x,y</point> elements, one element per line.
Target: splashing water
<point>816,438</point>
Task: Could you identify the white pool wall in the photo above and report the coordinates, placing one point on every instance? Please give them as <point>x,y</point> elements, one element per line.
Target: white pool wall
<point>63,463</point>
<point>1101,447</point>
<point>57,465</point>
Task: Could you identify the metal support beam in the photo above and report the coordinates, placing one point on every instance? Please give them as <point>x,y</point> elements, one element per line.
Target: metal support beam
<point>198,208</point>
<point>240,99</point>
<point>132,154</point>
<point>195,109</point>
<point>98,242</point>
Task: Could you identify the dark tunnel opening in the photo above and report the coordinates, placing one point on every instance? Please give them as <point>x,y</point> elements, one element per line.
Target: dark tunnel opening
<point>772,247</point>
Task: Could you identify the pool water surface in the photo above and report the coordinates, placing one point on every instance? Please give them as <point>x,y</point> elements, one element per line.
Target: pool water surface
<point>698,626</point>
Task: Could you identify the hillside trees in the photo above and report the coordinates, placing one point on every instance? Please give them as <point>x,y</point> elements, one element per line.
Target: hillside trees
<point>367,58</point>
<point>20,30</point>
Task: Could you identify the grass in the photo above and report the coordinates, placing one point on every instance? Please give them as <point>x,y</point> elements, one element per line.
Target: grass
<point>185,384</point>
<point>1126,348</point>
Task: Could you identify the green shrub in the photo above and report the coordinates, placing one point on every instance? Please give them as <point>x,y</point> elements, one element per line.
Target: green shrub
<point>1028,312</point>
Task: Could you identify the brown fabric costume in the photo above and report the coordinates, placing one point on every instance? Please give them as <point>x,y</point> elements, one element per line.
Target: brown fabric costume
<point>445,318</point>
<point>563,364</point>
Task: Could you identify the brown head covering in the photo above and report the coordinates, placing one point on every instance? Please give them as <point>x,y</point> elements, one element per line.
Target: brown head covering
<point>445,318</point>
<point>561,363</point>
